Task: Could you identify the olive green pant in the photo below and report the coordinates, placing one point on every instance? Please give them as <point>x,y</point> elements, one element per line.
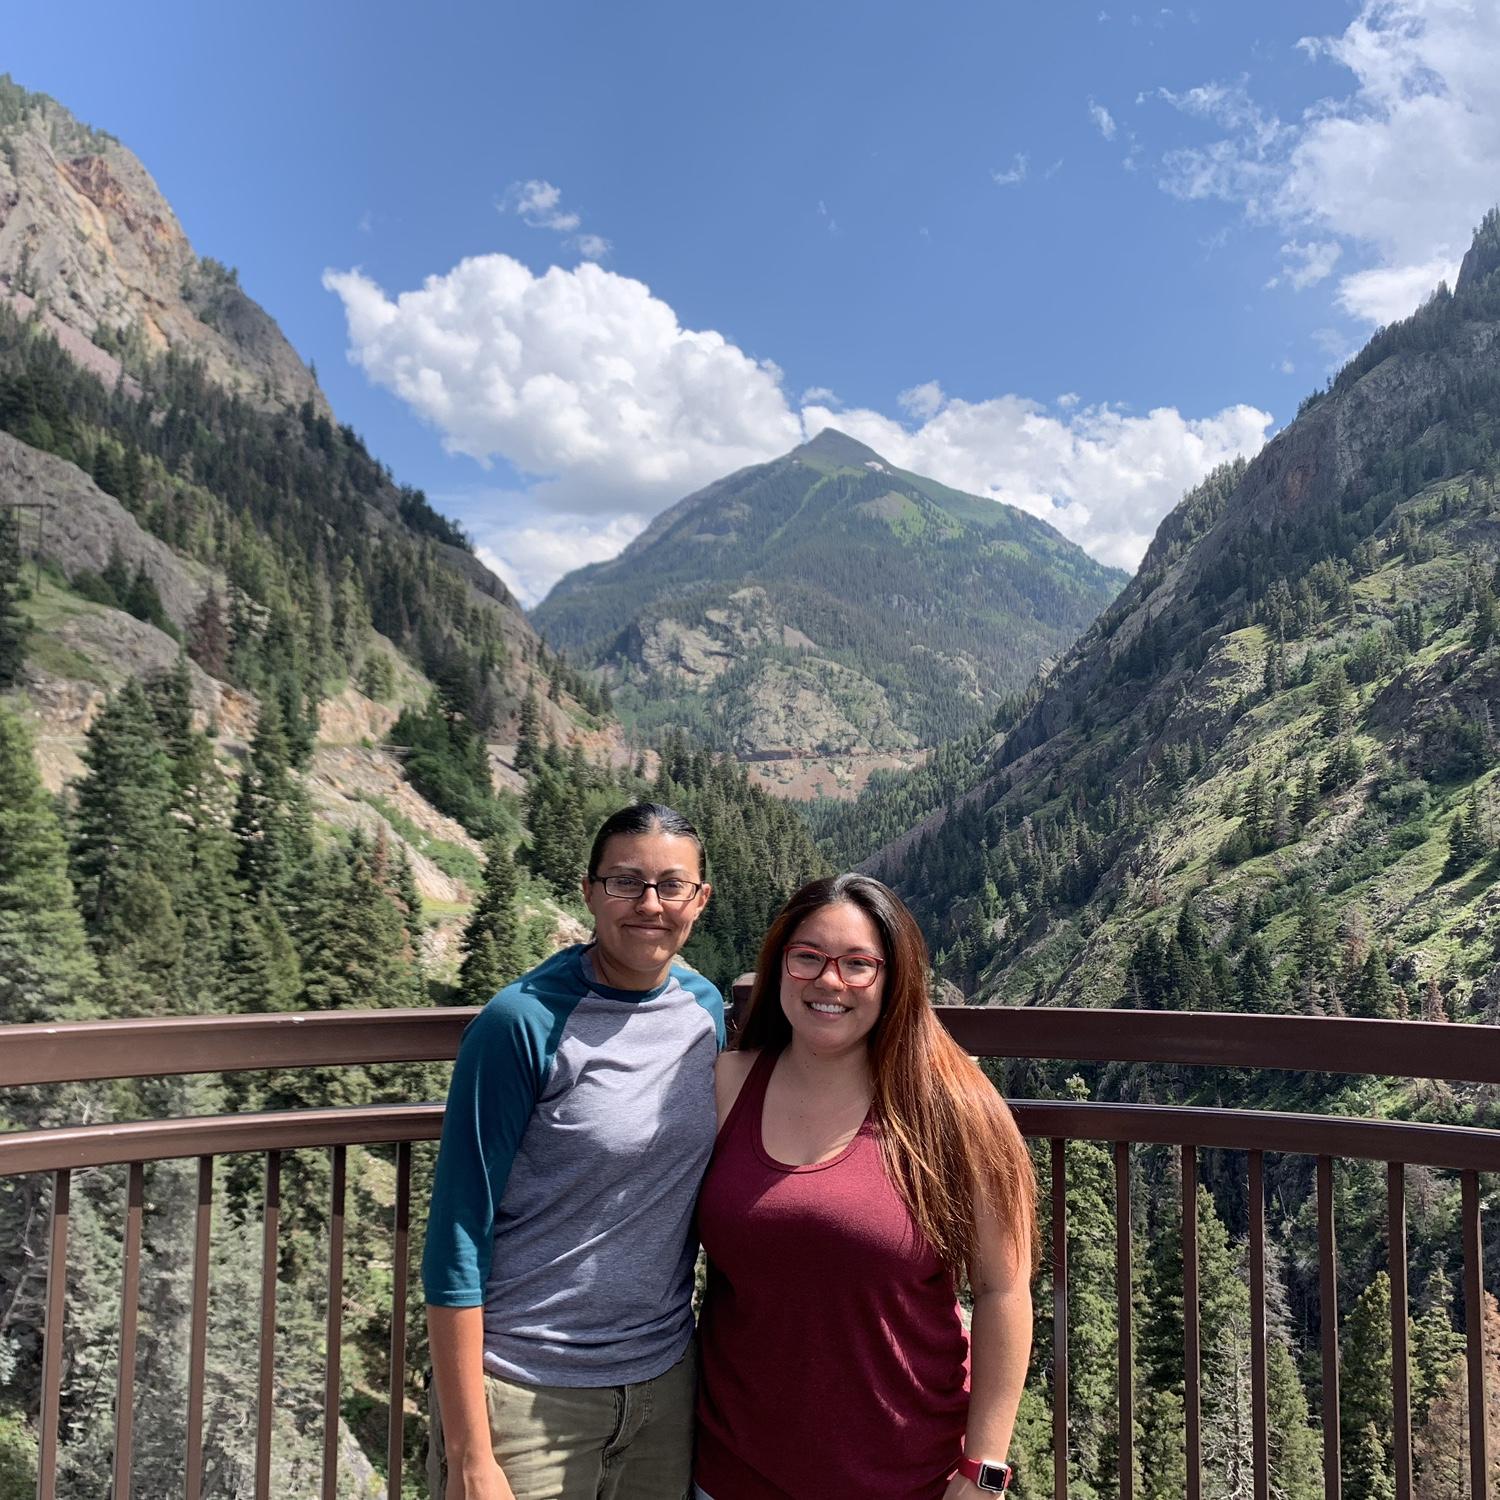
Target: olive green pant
<point>614,1442</point>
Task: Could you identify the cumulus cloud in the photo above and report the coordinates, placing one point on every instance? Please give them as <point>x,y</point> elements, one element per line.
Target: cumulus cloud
<point>1103,119</point>
<point>579,378</point>
<point>532,556</point>
<point>1385,294</point>
<point>589,386</point>
<point>1403,166</point>
<point>1101,476</point>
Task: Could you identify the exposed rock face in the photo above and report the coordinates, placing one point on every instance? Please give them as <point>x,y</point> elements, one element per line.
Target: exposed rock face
<point>82,526</point>
<point>83,226</point>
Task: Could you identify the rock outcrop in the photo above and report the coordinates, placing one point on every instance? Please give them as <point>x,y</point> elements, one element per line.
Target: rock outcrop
<point>84,227</point>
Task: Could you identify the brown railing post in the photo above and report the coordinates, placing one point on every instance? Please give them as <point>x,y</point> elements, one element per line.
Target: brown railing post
<point>1192,1364</point>
<point>1400,1357</point>
<point>130,1301</point>
<point>265,1393</point>
<point>1328,1310</point>
<point>1260,1454</point>
<point>1479,1443</point>
<point>1060,1319</point>
<point>333,1367</point>
<point>1124,1293</point>
<point>52,1347</point>
<point>198,1338</point>
<point>400,1252</point>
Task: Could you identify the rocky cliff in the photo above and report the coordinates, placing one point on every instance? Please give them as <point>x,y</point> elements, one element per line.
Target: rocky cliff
<point>85,228</point>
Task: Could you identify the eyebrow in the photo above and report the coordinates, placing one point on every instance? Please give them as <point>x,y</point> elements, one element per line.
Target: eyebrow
<point>672,872</point>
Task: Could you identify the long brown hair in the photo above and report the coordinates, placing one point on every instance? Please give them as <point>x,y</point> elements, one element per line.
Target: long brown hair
<point>945,1133</point>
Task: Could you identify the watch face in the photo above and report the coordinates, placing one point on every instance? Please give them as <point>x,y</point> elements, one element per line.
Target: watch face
<point>994,1477</point>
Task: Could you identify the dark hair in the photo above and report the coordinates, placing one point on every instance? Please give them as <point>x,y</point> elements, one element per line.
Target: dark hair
<point>945,1133</point>
<point>645,817</point>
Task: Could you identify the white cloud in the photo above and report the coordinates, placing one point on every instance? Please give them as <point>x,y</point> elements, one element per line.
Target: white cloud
<point>1403,166</point>
<point>1307,264</point>
<point>1015,173</point>
<point>589,386</point>
<point>820,395</point>
<point>1385,295</point>
<point>531,557</point>
<point>1068,400</point>
<point>1102,477</point>
<point>1103,119</point>
<point>1287,367</point>
<point>539,204</point>
<point>580,378</point>
<point>921,401</point>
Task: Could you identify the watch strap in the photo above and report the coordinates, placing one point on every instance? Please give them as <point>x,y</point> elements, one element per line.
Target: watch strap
<point>995,1478</point>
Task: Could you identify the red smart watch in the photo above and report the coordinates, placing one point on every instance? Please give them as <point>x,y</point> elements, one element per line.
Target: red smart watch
<point>993,1478</point>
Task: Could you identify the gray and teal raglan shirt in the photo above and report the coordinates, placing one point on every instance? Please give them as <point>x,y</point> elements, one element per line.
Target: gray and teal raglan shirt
<point>579,1124</point>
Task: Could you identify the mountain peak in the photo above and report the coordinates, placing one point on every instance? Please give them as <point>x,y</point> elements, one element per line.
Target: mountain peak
<point>833,446</point>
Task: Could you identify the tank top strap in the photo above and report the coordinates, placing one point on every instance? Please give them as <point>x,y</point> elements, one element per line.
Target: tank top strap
<point>752,1095</point>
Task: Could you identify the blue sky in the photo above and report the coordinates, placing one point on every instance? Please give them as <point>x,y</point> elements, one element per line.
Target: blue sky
<point>1069,255</point>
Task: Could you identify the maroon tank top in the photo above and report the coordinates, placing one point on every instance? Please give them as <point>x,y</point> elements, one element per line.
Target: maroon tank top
<point>834,1364</point>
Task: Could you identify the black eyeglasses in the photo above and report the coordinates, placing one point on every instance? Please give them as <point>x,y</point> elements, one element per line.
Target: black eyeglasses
<point>857,971</point>
<point>670,892</point>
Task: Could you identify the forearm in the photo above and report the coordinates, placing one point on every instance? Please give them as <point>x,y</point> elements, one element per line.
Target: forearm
<point>999,1351</point>
<point>456,1338</point>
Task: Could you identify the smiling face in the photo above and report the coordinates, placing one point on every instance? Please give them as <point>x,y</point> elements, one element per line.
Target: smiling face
<point>826,1014</point>
<point>636,941</point>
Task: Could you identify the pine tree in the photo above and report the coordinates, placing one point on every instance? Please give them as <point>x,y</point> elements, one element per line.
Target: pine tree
<point>1335,699</point>
<point>123,828</point>
<point>208,635</point>
<point>1365,1415</point>
<point>1308,793</point>
<point>355,959</point>
<point>13,624</point>
<point>1440,1444</point>
<point>492,946</point>
<point>47,972</point>
<point>261,960</point>
<point>1375,995</point>
<point>528,733</point>
<point>1257,983</point>
<point>1466,840</point>
<point>270,817</point>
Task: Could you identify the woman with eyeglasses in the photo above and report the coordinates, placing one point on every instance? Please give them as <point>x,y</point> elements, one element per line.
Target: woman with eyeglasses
<point>559,1262</point>
<point>865,1170</point>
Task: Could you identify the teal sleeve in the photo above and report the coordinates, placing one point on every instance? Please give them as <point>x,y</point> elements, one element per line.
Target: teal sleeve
<point>706,994</point>
<point>497,1079</point>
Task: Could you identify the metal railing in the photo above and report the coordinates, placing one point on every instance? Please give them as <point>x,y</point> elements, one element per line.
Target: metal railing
<point>83,1052</point>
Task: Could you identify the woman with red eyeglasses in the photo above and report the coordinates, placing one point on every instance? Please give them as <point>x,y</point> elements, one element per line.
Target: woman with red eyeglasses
<point>864,1171</point>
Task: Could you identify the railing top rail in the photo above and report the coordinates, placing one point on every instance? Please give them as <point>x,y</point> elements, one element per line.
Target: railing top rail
<point>86,1051</point>
<point>77,1146</point>
<point>1448,1147</point>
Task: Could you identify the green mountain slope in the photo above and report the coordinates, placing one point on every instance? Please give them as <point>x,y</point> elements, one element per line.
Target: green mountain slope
<point>1267,776</point>
<point>827,604</point>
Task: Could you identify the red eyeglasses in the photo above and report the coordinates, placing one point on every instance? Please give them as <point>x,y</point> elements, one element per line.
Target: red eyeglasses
<point>857,971</point>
